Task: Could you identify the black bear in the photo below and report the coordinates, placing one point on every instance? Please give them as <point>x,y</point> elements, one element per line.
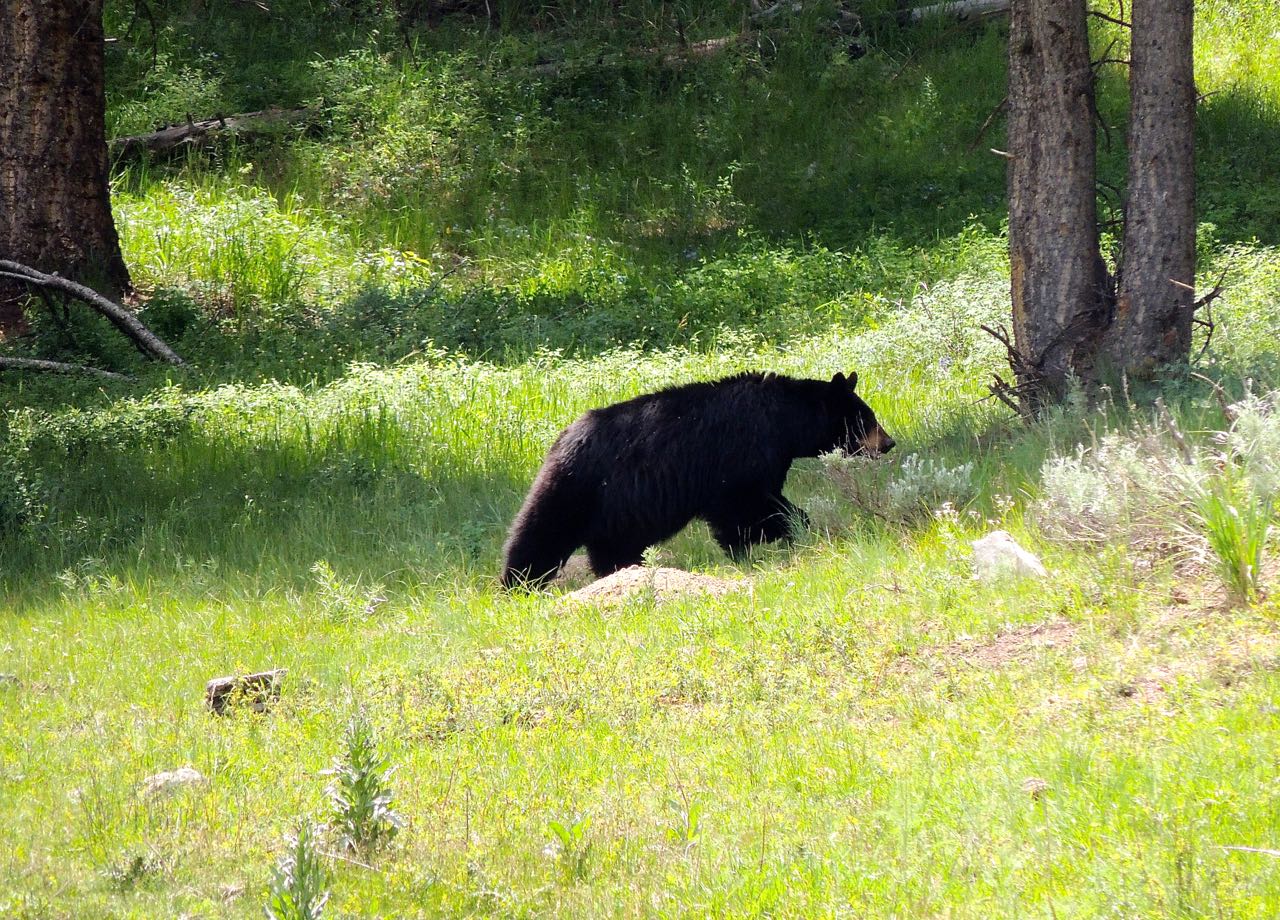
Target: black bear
<point>630,475</point>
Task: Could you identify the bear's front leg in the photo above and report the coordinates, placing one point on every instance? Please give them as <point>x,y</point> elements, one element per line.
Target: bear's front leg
<point>607,558</point>
<point>754,519</point>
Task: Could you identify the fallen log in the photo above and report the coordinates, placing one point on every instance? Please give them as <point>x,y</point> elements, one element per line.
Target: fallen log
<point>667,57</point>
<point>129,325</point>
<point>257,690</point>
<point>960,9</point>
<point>267,121</point>
<point>56,367</point>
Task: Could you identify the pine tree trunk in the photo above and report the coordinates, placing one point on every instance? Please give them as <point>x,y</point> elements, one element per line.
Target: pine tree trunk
<point>1059,282</point>
<point>1153,314</point>
<point>55,210</point>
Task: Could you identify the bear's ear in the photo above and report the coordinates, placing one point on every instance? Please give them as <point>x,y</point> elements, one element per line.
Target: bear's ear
<point>837,382</point>
<point>853,380</point>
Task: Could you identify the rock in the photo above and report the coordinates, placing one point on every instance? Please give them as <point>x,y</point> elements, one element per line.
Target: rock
<point>258,690</point>
<point>999,554</point>
<point>170,781</point>
<point>1035,787</point>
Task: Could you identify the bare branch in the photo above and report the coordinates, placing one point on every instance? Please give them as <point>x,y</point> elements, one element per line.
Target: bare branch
<point>1262,850</point>
<point>143,338</point>
<point>1220,394</point>
<point>1178,438</point>
<point>1112,19</point>
<point>987,123</point>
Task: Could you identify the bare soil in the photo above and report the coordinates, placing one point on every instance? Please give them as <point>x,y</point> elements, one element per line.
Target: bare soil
<point>663,583</point>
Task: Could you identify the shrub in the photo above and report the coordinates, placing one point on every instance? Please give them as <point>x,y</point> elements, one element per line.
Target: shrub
<point>1170,497</point>
<point>905,491</point>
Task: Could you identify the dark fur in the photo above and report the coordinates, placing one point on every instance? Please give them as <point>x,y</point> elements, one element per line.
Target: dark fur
<point>630,475</point>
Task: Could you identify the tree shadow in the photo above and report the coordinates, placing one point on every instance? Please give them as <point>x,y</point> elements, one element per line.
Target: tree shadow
<point>217,507</point>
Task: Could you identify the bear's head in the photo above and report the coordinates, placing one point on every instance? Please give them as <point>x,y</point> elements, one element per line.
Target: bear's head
<point>854,428</point>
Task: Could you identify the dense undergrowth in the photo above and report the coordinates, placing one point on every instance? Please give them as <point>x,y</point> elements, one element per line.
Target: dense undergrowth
<point>390,314</point>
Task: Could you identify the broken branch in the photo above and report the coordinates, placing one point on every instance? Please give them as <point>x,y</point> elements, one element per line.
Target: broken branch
<point>133,328</point>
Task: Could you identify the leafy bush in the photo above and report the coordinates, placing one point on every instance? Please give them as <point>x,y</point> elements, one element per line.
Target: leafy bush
<point>341,600</point>
<point>1169,497</point>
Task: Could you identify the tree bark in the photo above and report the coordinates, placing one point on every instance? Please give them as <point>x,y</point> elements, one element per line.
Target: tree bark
<point>55,208</point>
<point>1155,300</point>
<point>1059,282</point>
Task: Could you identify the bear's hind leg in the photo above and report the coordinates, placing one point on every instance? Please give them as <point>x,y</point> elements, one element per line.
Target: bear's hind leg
<point>542,539</point>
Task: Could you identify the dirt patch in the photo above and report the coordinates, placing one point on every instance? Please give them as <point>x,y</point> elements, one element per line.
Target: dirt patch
<point>1225,666</point>
<point>1017,646</point>
<point>661,583</point>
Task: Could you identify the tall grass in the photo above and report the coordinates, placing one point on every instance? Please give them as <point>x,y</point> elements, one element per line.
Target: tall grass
<point>1236,522</point>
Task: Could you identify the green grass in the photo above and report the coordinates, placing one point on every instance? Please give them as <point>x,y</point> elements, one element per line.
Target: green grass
<point>391,316</point>
<point>832,726</point>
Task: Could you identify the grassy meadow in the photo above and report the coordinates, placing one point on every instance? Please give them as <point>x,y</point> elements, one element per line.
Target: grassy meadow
<point>391,313</point>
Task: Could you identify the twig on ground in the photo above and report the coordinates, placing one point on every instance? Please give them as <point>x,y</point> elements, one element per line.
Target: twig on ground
<point>1172,426</point>
<point>1263,850</point>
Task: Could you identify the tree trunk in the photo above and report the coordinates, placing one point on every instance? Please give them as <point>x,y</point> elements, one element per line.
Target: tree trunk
<point>1153,313</point>
<point>1059,282</point>
<point>55,209</point>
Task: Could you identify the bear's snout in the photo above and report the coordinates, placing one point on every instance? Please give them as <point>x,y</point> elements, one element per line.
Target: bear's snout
<point>877,442</point>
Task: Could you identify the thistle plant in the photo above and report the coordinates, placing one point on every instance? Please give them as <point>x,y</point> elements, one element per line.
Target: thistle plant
<point>299,883</point>
<point>361,790</point>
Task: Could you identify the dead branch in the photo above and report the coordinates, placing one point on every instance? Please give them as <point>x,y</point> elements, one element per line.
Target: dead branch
<point>266,121</point>
<point>1000,108</point>
<point>1220,395</point>
<point>1026,372</point>
<point>1262,850</point>
<point>1172,426</point>
<point>1112,19</point>
<point>1002,390</point>
<point>57,367</point>
<point>667,57</point>
<point>134,329</point>
<point>1214,293</point>
<point>1204,303</point>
